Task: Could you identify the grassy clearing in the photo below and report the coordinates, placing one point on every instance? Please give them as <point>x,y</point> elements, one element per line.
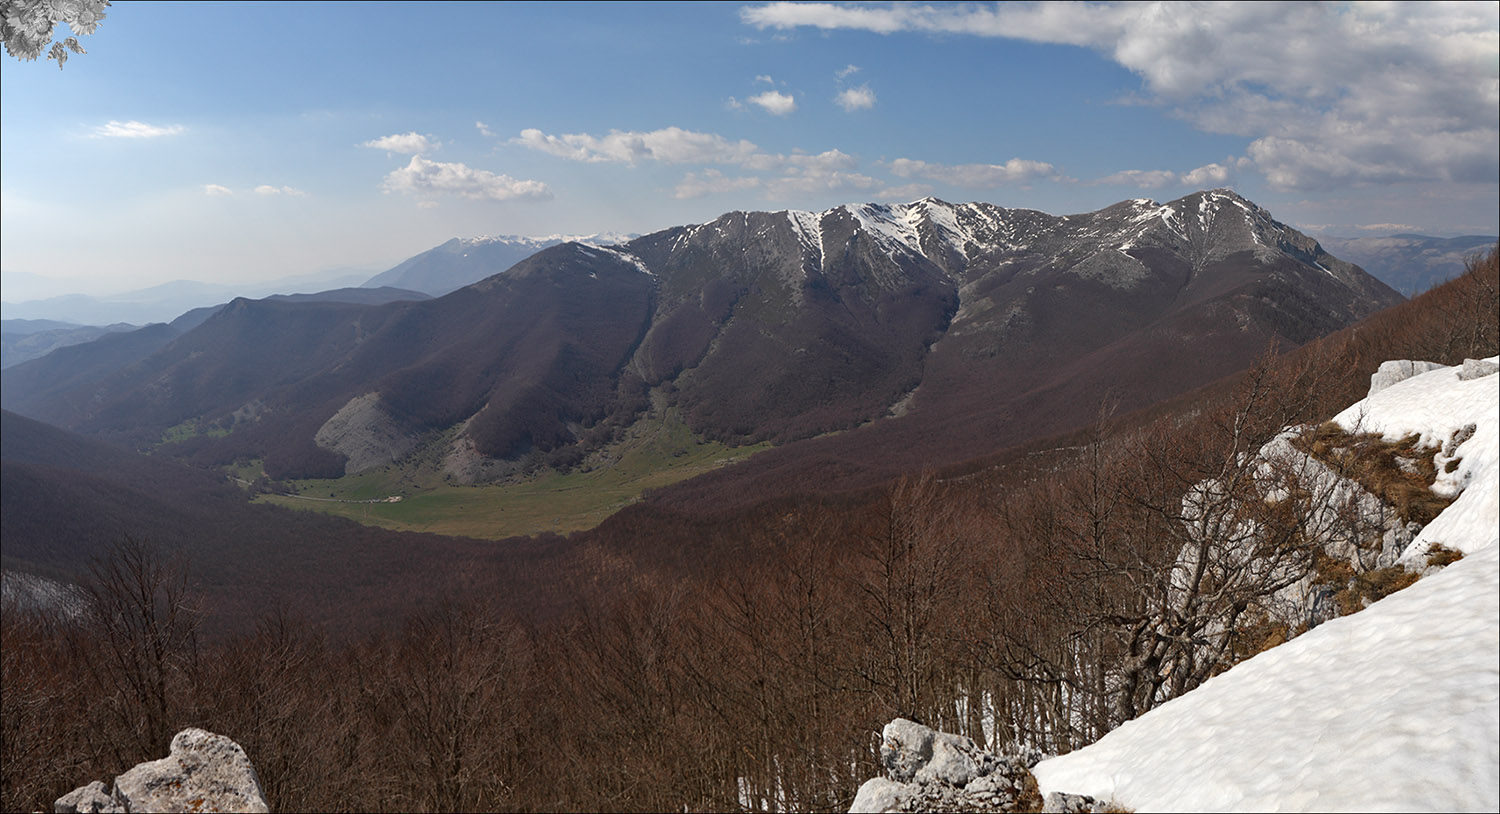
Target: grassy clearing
<point>660,451</point>
<point>192,428</point>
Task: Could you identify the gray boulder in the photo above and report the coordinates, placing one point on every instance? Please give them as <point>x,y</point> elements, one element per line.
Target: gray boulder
<point>1397,370</point>
<point>1477,369</point>
<point>937,771</point>
<point>879,795</point>
<point>1060,803</point>
<point>91,799</point>
<point>203,772</point>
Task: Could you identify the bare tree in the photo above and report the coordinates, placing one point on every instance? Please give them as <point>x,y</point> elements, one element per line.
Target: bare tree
<point>911,578</point>
<point>140,606</point>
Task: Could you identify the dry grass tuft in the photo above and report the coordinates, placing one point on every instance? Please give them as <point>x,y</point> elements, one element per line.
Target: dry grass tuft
<point>1400,473</point>
<point>1030,798</point>
<point>1372,586</point>
<point>1442,556</point>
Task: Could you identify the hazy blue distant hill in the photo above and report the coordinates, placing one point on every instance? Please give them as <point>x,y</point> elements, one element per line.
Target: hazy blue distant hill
<point>465,261</point>
<point>1411,264</point>
<point>26,341</point>
<point>21,327</point>
<point>166,301</point>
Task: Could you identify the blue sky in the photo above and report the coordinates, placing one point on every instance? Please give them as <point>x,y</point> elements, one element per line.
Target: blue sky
<point>234,142</point>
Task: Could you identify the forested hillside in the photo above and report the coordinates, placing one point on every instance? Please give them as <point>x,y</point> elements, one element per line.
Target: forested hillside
<point>728,659</point>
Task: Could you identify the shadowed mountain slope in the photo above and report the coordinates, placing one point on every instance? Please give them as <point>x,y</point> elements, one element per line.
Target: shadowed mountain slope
<point>65,499</point>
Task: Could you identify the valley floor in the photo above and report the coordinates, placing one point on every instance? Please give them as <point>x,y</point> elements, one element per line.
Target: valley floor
<point>659,452</point>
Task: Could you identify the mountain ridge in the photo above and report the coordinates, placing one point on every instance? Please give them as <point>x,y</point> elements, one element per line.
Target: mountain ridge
<point>948,319</point>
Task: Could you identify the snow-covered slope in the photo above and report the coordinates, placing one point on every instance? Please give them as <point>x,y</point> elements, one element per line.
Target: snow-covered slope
<point>1395,708</point>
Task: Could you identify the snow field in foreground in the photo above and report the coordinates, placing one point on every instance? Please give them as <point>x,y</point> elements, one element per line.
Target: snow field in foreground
<point>1395,708</point>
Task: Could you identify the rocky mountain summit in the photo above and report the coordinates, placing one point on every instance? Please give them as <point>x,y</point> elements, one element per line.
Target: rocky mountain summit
<point>203,772</point>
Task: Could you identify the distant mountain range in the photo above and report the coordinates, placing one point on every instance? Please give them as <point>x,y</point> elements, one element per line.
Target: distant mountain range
<point>945,329</point>
<point>22,340</point>
<point>163,302</point>
<point>464,261</point>
<point>1411,264</point>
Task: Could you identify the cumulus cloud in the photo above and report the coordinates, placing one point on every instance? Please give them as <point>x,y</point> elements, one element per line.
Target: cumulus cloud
<point>712,182</point>
<point>846,71</point>
<point>669,145</point>
<point>1208,175</point>
<point>817,180</point>
<point>785,175</point>
<point>426,177</point>
<point>484,130</point>
<point>1142,179</point>
<point>267,189</point>
<point>852,99</point>
<point>216,189</point>
<point>766,78</point>
<point>135,129</point>
<point>1204,177</point>
<point>774,102</point>
<point>1014,171</point>
<point>1330,94</point>
<point>906,192</point>
<point>412,143</point>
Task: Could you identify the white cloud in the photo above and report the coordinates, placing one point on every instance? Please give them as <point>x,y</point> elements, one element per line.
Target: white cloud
<point>1205,177</point>
<point>1143,179</point>
<point>846,71</point>
<point>135,129</point>
<point>785,176</point>
<point>429,177</point>
<point>779,174</point>
<point>712,182</point>
<point>670,145</point>
<point>412,143</point>
<point>484,130</point>
<point>906,192</point>
<point>803,182</point>
<point>774,102</point>
<point>852,99</point>
<point>1330,94</point>
<point>267,189</point>
<point>766,78</point>
<point>216,189</point>
<point>1014,171</point>
<point>824,162</point>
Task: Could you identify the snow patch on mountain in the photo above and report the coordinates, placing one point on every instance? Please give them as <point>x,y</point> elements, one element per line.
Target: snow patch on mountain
<point>892,226</point>
<point>625,256</point>
<point>809,229</point>
<point>543,241</point>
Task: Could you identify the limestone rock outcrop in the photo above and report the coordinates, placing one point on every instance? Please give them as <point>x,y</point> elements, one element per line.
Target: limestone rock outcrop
<point>202,772</point>
<point>928,770</point>
<point>1397,370</point>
